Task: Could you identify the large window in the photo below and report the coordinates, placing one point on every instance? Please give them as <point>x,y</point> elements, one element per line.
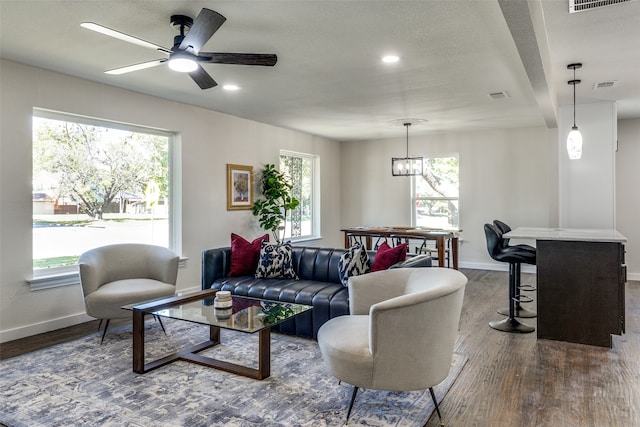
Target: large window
<point>301,170</point>
<point>96,183</point>
<point>435,201</point>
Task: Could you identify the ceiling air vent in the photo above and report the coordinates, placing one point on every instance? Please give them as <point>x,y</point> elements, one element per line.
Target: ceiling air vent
<point>582,5</point>
<point>605,85</point>
<point>496,96</point>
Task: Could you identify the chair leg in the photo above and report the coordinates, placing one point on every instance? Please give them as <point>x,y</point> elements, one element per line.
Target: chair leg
<point>106,326</point>
<point>435,403</point>
<point>353,399</point>
<point>161,325</point>
<point>99,324</point>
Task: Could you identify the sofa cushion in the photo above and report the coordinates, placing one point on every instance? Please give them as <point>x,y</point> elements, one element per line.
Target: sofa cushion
<point>388,256</point>
<point>245,255</point>
<point>353,262</point>
<point>276,262</point>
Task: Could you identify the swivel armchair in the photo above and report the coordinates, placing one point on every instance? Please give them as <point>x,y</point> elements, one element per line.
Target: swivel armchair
<point>121,274</point>
<point>400,333</point>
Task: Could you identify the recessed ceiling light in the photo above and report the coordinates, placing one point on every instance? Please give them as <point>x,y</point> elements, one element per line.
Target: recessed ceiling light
<point>231,87</point>
<point>390,59</point>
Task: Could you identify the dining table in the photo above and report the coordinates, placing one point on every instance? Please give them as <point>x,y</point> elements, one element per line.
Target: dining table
<point>441,237</point>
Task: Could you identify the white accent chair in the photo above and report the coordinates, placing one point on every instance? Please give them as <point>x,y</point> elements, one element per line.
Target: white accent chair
<point>401,331</point>
<point>116,275</point>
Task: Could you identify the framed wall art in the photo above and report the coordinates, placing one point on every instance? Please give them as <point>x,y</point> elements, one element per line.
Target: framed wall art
<point>239,187</point>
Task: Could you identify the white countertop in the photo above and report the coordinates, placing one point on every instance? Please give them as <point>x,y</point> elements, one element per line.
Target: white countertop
<point>567,234</point>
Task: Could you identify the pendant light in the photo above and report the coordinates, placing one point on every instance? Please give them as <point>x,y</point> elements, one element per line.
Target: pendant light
<point>574,140</point>
<point>406,166</point>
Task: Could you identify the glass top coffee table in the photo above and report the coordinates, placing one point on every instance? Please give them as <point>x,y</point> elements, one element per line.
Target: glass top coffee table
<point>248,315</point>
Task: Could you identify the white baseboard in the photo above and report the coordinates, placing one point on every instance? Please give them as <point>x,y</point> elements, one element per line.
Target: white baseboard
<point>633,276</point>
<point>495,266</point>
<point>41,327</point>
<point>187,291</point>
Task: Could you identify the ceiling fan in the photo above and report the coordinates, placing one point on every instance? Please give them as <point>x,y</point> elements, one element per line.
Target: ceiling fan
<point>185,55</point>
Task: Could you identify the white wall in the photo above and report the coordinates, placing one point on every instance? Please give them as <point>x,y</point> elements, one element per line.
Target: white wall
<point>210,140</point>
<point>587,186</point>
<point>504,174</point>
<point>628,192</point>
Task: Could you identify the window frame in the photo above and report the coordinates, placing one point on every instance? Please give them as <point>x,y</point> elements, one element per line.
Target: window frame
<point>415,199</point>
<point>68,275</point>
<point>315,193</point>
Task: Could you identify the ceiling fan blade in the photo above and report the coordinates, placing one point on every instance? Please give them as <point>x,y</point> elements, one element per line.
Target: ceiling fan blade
<point>136,67</point>
<point>122,36</point>
<point>268,60</point>
<point>202,78</point>
<point>206,23</point>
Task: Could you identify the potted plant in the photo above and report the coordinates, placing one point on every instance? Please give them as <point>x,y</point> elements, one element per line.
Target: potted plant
<point>278,201</point>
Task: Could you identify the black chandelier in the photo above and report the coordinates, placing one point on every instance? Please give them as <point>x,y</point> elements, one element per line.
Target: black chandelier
<point>406,166</point>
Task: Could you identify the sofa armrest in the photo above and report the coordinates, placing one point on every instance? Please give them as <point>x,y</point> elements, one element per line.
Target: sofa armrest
<point>371,288</point>
<point>215,264</point>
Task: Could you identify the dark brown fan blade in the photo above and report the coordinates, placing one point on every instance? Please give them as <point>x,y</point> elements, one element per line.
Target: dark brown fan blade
<point>268,60</point>
<point>202,78</point>
<point>206,23</point>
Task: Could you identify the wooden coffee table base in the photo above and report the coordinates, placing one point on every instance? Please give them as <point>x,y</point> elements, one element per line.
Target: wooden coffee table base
<point>190,354</point>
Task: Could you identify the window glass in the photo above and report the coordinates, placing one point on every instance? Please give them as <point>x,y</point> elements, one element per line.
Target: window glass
<point>96,183</point>
<point>436,200</point>
<point>300,168</point>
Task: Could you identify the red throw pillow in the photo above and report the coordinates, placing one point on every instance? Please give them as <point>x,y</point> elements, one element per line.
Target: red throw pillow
<point>245,255</point>
<point>386,256</point>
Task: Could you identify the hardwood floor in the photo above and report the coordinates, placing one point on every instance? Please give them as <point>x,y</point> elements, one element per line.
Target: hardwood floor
<point>510,379</point>
<point>518,380</point>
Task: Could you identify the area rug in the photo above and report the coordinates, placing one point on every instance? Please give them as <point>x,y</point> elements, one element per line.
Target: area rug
<point>83,383</point>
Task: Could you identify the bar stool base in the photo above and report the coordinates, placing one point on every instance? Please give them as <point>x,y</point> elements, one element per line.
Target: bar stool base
<point>511,325</point>
<point>519,312</point>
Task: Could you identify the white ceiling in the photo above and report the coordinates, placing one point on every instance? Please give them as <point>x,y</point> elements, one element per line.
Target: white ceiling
<point>329,79</point>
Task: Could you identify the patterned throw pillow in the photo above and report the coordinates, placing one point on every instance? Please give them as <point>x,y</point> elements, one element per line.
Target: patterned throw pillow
<point>353,263</point>
<point>386,256</point>
<point>276,262</point>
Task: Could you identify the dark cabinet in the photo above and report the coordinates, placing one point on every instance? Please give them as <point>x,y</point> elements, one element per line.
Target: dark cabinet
<point>580,291</point>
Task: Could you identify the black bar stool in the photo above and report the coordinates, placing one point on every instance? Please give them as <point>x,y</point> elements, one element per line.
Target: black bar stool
<point>515,257</point>
<point>519,310</point>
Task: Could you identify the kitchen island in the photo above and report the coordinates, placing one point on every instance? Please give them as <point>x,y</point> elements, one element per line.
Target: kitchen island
<point>580,283</point>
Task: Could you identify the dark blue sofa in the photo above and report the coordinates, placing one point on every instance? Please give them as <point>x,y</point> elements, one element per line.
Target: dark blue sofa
<point>319,284</point>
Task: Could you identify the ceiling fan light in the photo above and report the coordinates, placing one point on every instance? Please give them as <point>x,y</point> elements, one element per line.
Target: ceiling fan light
<point>182,64</point>
<point>574,144</point>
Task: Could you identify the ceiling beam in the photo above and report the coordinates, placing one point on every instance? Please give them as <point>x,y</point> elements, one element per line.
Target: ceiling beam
<point>526,23</point>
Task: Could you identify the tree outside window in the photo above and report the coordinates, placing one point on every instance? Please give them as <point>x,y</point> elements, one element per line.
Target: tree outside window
<point>436,200</point>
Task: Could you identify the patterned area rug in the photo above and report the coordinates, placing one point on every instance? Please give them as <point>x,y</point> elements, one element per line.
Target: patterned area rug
<point>83,383</point>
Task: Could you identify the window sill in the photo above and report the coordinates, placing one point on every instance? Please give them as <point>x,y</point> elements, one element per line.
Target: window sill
<point>304,239</point>
<point>54,280</point>
<point>68,277</point>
